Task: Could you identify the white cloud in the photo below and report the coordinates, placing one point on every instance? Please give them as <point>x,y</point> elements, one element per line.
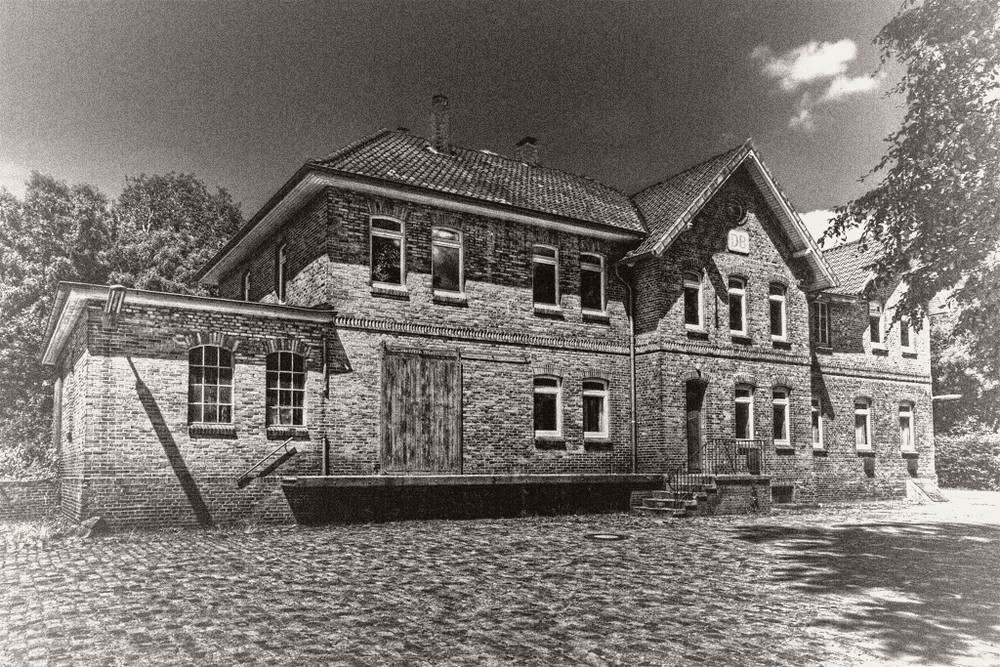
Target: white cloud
<point>819,71</point>
<point>13,177</point>
<point>817,221</point>
<point>813,61</point>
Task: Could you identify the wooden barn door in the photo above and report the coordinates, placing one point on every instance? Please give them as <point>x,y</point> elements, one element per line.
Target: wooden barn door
<point>421,413</point>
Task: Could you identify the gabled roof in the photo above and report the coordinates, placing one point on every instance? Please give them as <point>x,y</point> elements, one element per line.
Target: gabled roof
<point>851,263</point>
<point>670,206</point>
<point>403,158</point>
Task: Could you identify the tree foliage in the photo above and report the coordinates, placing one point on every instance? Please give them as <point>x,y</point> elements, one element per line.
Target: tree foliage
<point>154,236</point>
<point>934,209</point>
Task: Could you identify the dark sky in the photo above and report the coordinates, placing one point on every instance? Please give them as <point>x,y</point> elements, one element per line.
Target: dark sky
<point>241,94</point>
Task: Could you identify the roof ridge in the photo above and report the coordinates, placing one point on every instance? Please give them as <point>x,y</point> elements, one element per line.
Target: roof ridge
<point>353,146</point>
<point>745,144</point>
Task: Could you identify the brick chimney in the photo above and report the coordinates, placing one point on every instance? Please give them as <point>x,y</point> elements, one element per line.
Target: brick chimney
<point>440,124</point>
<point>527,150</point>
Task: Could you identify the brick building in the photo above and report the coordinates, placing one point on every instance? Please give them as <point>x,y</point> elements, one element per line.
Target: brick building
<point>407,311</point>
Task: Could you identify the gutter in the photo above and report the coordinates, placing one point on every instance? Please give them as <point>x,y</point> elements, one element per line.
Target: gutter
<point>632,378</point>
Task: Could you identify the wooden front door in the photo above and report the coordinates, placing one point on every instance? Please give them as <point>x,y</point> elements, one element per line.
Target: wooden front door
<point>421,413</point>
<point>694,400</point>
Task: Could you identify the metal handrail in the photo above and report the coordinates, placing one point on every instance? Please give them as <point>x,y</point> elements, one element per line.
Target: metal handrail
<point>717,456</point>
<point>247,474</point>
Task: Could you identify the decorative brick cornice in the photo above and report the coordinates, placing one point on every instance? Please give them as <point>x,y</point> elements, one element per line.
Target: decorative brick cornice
<point>478,335</point>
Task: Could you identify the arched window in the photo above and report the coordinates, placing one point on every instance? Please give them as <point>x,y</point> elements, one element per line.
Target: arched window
<point>387,252</point>
<point>548,406</point>
<point>210,385</point>
<point>743,410</point>
<point>779,313</point>
<point>286,389</point>
<point>595,409</point>
<point>693,316</point>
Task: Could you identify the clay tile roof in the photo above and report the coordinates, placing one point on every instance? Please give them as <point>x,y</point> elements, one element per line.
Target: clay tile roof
<point>403,158</point>
<point>850,264</point>
<point>664,204</point>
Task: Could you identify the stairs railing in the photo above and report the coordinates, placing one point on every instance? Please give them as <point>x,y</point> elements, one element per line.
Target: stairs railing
<point>248,475</point>
<point>717,456</point>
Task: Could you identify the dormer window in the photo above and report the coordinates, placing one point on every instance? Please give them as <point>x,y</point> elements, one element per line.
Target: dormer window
<point>693,315</point>
<point>387,257</point>
<point>592,282</point>
<point>545,275</point>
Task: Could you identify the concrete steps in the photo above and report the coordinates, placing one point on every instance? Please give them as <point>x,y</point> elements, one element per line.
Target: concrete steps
<point>681,501</point>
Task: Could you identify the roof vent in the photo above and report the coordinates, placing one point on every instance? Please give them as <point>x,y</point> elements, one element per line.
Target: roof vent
<point>527,150</point>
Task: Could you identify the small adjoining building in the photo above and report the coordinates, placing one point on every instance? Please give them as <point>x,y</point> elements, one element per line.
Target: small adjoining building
<point>406,314</point>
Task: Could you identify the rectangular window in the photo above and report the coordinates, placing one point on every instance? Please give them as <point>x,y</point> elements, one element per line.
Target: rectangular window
<point>862,425</point>
<point>779,317</point>
<point>737,306</point>
<point>210,385</point>
<point>817,423</point>
<point>875,331</point>
<point>280,273</point>
<point>819,322</point>
<point>246,285</point>
<point>595,409</point>
<point>744,412</point>
<point>906,441</point>
<point>545,275</point>
<point>447,261</point>
<point>692,301</point>
<point>387,256</point>
<point>286,389</point>
<point>905,339</point>
<point>780,407</point>
<point>592,282</point>
<point>548,407</point>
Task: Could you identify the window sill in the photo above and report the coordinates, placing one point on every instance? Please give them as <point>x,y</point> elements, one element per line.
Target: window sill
<point>450,298</point>
<point>782,447</point>
<point>880,350</point>
<point>596,316</point>
<point>820,451</point>
<point>549,310</point>
<point>741,339</point>
<point>390,291</point>
<point>550,442</point>
<point>909,453</point>
<point>202,430</point>
<point>781,344</point>
<point>697,334</point>
<point>597,444</point>
<point>865,451</point>
<point>823,348</point>
<point>283,432</point>
<point>909,354</point>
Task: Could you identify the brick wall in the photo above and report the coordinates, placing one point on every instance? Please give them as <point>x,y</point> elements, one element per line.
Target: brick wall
<point>22,499</point>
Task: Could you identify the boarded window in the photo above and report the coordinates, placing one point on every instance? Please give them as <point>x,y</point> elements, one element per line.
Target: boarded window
<point>210,385</point>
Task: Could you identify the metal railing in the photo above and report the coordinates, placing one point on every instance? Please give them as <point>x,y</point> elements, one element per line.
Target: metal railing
<point>717,456</point>
<point>248,476</point>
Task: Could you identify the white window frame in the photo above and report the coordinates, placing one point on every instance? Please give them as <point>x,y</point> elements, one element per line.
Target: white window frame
<point>904,322</point>
<point>741,292</point>
<point>780,399</point>
<point>748,399</point>
<point>450,243</point>
<point>218,385</point>
<point>820,312</point>
<point>277,389</point>
<point>601,393</point>
<point>552,261</point>
<point>399,235</point>
<point>586,260</point>
<point>863,408</point>
<point>781,300</point>
<point>246,285</point>
<point>876,309</point>
<point>816,415</point>
<point>694,280</point>
<point>281,273</point>
<point>557,390</point>
<point>906,413</point>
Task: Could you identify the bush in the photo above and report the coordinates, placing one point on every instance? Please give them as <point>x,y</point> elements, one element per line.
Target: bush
<point>968,461</point>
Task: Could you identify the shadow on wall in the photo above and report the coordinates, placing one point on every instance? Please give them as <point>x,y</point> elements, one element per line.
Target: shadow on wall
<point>201,513</point>
<point>923,592</point>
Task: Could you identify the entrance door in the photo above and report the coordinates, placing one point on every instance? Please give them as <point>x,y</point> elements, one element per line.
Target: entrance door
<point>421,413</point>
<point>695,400</point>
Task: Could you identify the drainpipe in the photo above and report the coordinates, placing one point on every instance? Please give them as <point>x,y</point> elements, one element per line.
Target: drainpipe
<point>630,311</point>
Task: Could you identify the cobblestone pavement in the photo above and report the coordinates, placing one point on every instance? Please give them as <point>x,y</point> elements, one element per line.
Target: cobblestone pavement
<point>881,583</point>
